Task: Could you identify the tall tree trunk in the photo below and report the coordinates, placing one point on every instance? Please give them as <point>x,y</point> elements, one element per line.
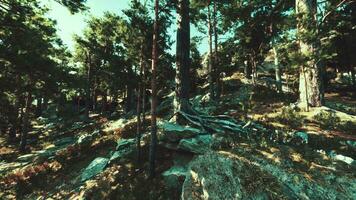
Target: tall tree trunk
<point>144,85</point>
<point>45,102</point>
<point>95,93</point>
<point>310,79</point>
<point>88,88</point>
<point>104,101</point>
<point>210,63</point>
<point>254,69</point>
<point>26,122</point>
<point>248,69</point>
<point>39,106</point>
<point>181,101</point>
<point>216,55</point>
<point>14,117</point>
<point>129,97</point>
<point>353,81</point>
<point>277,70</point>
<point>139,101</point>
<point>153,145</point>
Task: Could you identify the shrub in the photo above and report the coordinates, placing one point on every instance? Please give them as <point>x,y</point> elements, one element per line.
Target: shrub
<point>348,127</point>
<point>328,120</point>
<point>290,117</point>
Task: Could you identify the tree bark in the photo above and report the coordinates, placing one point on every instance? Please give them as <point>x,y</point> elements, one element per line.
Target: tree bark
<point>210,62</point>
<point>88,88</point>
<point>277,70</point>
<point>139,107</point>
<point>352,73</point>
<point>310,79</point>
<point>14,118</point>
<point>248,69</point>
<point>181,101</point>
<point>216,55</point>
<point>45,102</point>
<point>153,145</point>
<point>26,122</point>
<point>39,107</point>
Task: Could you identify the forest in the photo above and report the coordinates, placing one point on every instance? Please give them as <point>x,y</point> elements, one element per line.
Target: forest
<point>179,99</point>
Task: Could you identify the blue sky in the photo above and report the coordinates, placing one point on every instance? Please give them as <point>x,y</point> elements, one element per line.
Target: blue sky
<point>68,24</point>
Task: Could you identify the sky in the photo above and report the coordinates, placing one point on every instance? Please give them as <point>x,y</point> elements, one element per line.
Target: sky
<point>68,24</point>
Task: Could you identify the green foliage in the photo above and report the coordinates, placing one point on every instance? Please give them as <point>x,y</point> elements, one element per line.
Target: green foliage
<point>291,117</point>
<point>245,99</point>
<point>328,120</point>
<point>348,126</point>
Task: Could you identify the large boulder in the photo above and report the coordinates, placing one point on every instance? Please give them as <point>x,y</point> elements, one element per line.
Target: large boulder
<point>64,141</point>
<point>199,145</point>
<point>174,176</point>
<point>125,148</point>
<point>87,138</point>
<point>172,132</point>
<point>212,176</point>
<point>94,168</point>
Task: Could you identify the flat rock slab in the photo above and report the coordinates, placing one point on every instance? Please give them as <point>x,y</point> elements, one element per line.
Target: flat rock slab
<point>94,168</point>
<point>199,145</point>
<point>212,176</point>
<point>174,132</point>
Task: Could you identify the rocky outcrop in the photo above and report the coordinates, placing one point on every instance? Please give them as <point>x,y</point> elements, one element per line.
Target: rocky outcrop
<point>198,145</point>
<point>212,176</point>
<point>174,132</point>
<point>125,148</point>
<point>94,168</point>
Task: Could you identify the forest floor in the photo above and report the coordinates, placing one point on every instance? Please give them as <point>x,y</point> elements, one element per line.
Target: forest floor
<point>321,168</point>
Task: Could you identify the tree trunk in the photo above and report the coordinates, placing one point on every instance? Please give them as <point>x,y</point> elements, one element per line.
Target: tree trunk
<point>181,101</point>
<point>153,145</point>
<point>139,101</point>
<point>26,122</point>
<point>104,101</point>
<point>254,69</point>
<point>39,107</point>
<point>310,78</point>
<point>352,73</point>
<point>89,77</point>
<point>14,118</point>
<point>216,55</point>
<point>248,69</point>
<point>277,70</point>
<point>95,93</point>
<point>129,97</point>
<point>45,102</point>
<point>144,93</point>
<point>210,62</point>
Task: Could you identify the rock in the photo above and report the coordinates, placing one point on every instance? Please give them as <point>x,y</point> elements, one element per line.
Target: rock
<point>125,143</point>
<point>212,176</point>
<point>26,157</point>
<point>87,138</point>
<point>222,141</point>
<point>168,145</point>
<point>175,132</point>
<point>77,125</point>
<point>64,141</point>
<point>125,148</point>
<point>345,159</point>
<point>94,168</point>
<point>49,126</point>
<point>199,145</point>
<point>113,125</point>
<point>351,144</point>
<point>303,136</point>
<point>174,177</point>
